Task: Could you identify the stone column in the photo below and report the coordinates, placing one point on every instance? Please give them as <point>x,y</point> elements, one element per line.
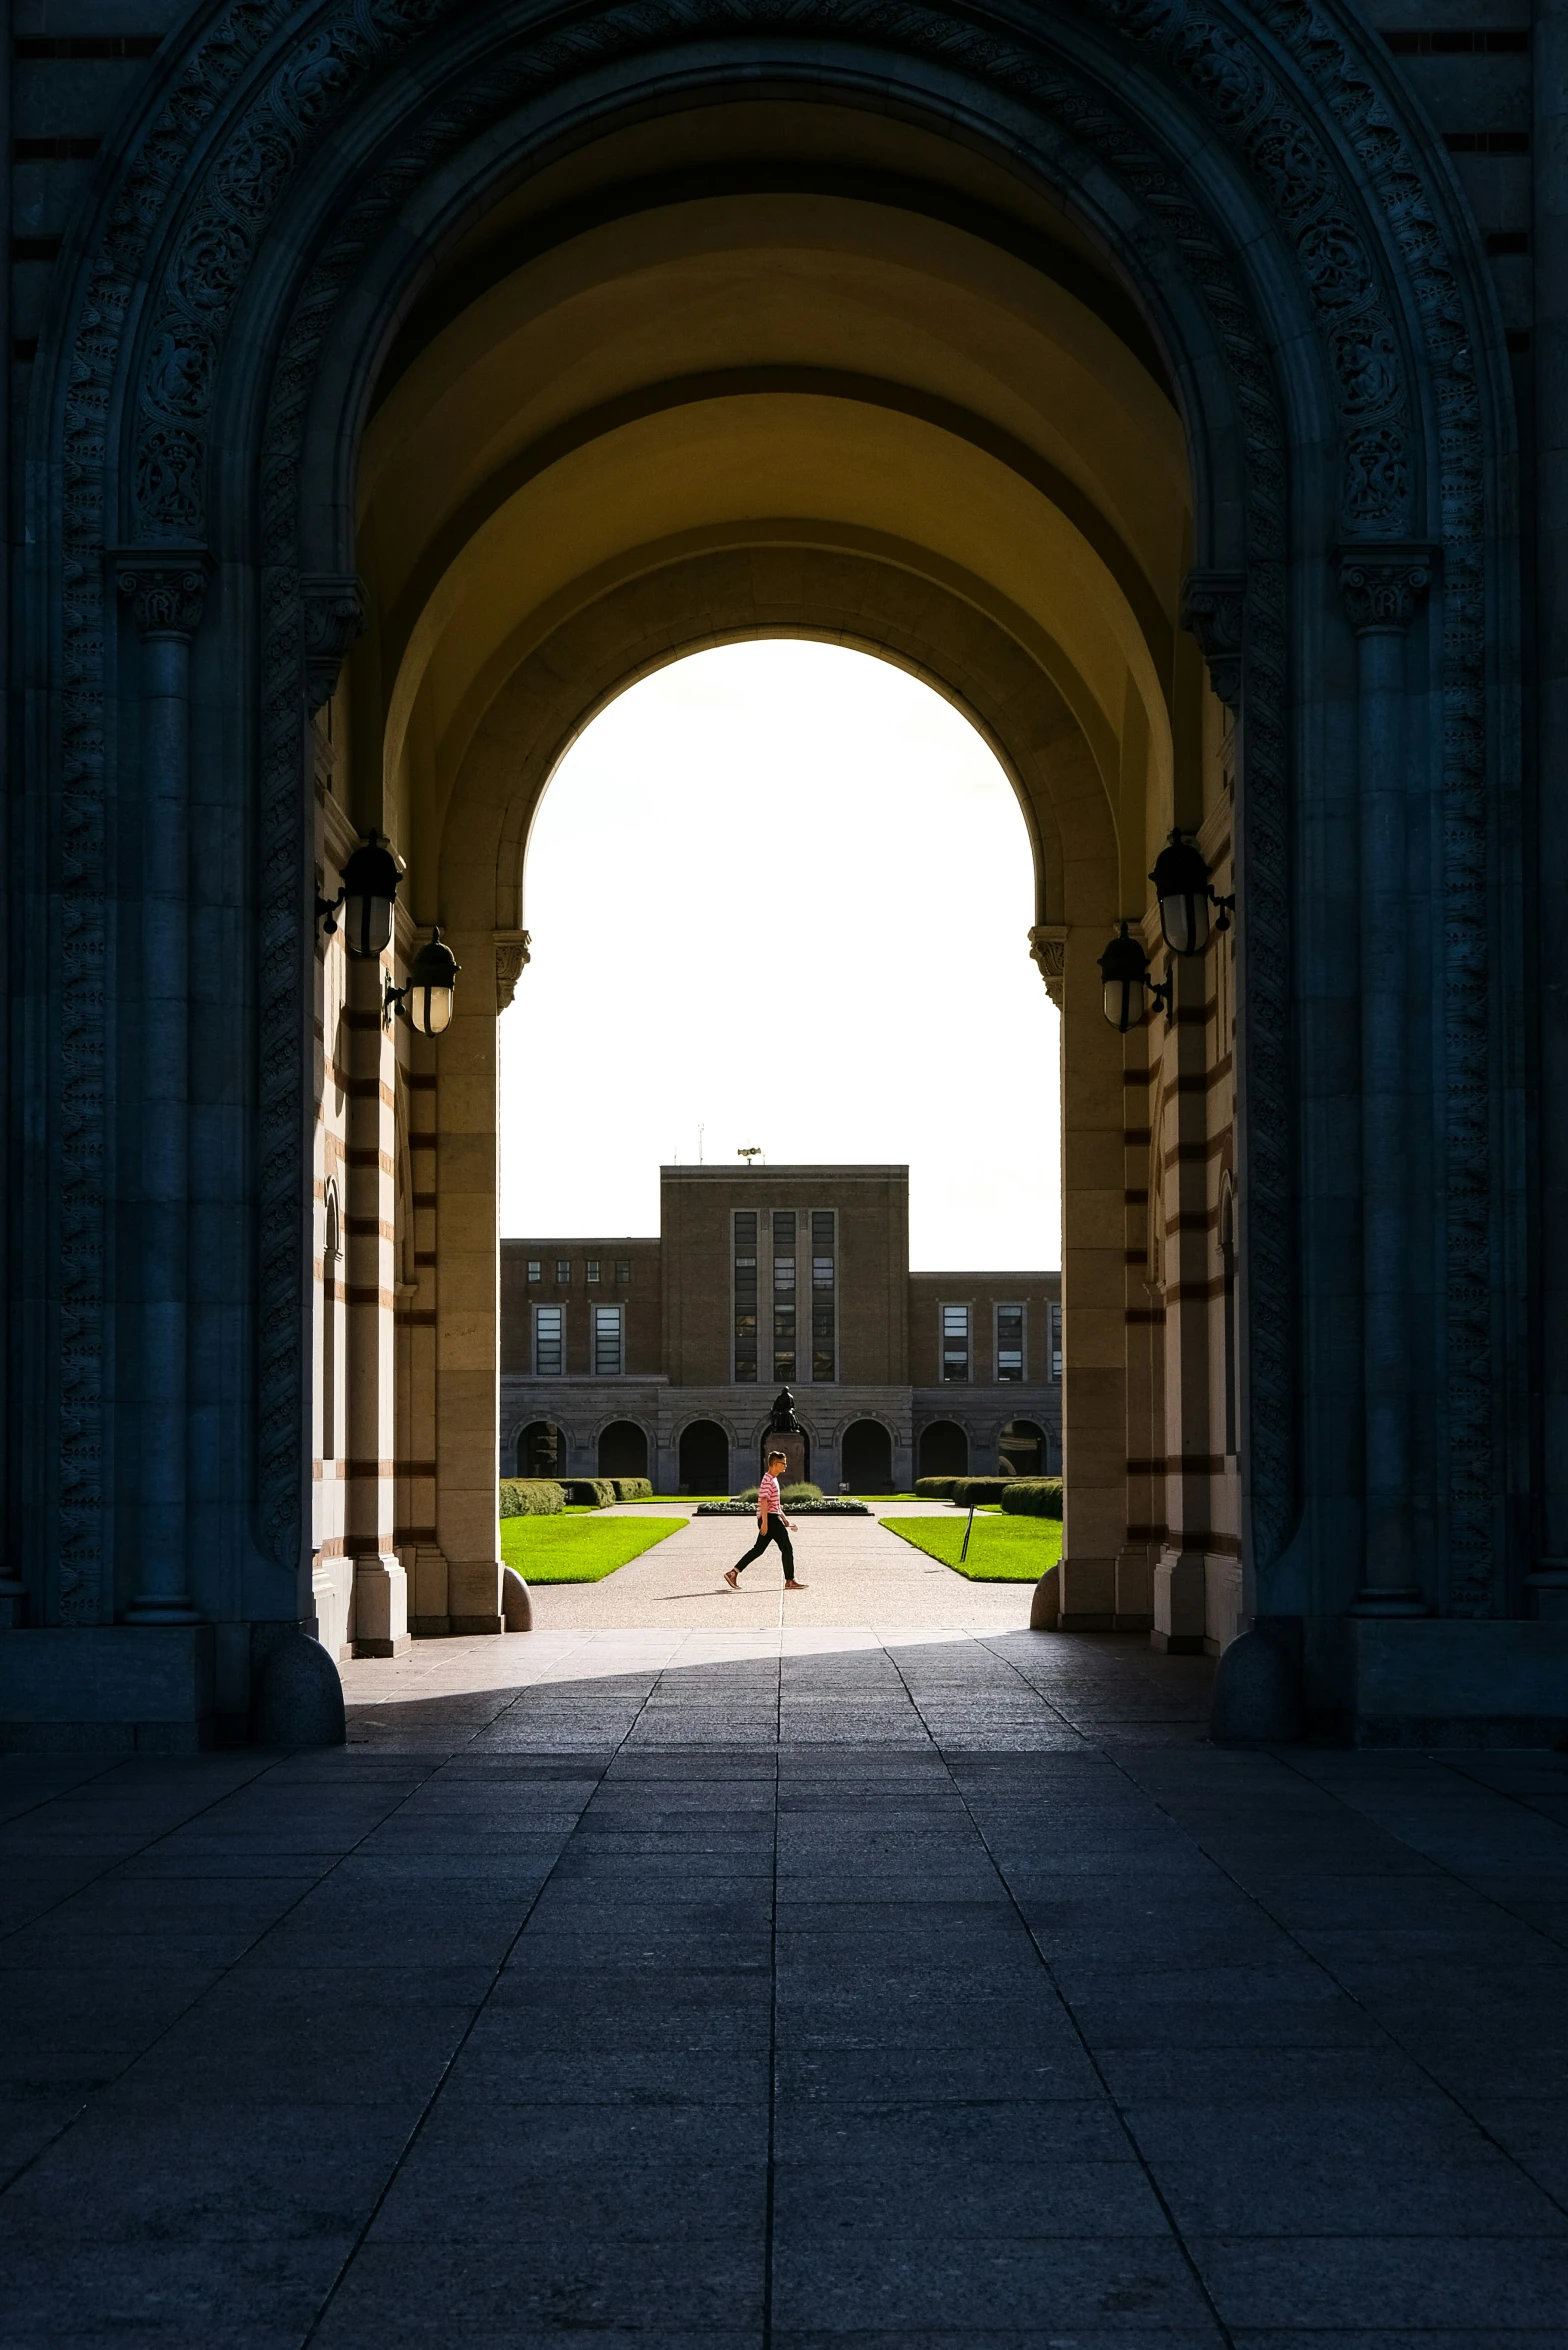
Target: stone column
<point>468,1322</point>
<point>166,592</point>
<point>380,1619</point>
<point>1383,586</point>
<point>1549,345</point>
<point>1181,1201</point>
<point>1094,1329</point>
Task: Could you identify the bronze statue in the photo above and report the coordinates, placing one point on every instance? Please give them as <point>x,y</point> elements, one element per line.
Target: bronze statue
<point>784,1422</point>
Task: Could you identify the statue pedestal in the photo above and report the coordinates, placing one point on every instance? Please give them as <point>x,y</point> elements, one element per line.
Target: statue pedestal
<point>793,1447</point>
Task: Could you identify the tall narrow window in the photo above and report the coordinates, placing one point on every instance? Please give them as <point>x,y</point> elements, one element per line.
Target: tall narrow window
<point>746,1294</point>
<point>535,1269</point>
<point>955,1342</point>
<point>1009,1342</point>
<point>549,1341</point>
<point>608,1359</point>
<point>824,1295</point>
<point>1053,1342</point>
<point>563,1272</point>
<point>331,1255</point>
<point>784,1293</point>
<point>623,1272</point>
<point>593,1268</point>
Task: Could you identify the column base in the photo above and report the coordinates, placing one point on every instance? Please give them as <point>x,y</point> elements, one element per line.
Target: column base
<point>465,1624</point>
<point>1458,1681</point>
<point>381,1647</point>
<point>1180,1603</point>
<point>107,1688</point>
<point>380,1605</point>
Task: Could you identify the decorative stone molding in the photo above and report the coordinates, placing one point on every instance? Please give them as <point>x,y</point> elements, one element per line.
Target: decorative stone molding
<point>1048,953</point>
<point>511,960</point>
<point>333,606</point>
<point>165,588</point>
<point>1213,606</point>
<point>1383,585</point>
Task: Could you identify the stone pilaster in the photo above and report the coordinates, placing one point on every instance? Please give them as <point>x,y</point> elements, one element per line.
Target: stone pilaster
<point>1383,587</point>
<point>166,591</point>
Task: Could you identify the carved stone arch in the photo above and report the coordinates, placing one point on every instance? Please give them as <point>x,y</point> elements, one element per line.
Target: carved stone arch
<point>1281,105</point>
<point>847,595</point>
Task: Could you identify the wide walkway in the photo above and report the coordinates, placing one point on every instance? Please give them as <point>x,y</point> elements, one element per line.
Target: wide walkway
<point>966,2000</point>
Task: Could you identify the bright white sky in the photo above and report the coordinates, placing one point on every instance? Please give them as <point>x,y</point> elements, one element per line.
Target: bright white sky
<point>782,890</point>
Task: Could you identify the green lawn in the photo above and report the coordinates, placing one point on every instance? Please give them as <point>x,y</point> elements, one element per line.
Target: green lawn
<point>578,1549</point>
<point>1001,1549</point>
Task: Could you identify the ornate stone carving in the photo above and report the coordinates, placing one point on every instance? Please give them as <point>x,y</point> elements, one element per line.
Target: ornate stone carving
<point>511,960</point>
<point>1048,953</point>
<point>166,591</point>
<point>1383,585</point>
<point>1213,606</point>
<point>334,616</point>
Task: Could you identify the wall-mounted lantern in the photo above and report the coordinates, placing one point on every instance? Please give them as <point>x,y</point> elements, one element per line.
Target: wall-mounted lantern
<point>1181,883</point>
<point>426,995</point>
<point>1130,984</point>
<point>366,898</point>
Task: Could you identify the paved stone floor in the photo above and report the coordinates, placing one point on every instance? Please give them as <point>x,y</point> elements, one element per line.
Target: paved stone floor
<point>858,1985</point>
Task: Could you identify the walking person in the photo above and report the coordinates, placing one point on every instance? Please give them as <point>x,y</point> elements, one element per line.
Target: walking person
<point>772,1526</point>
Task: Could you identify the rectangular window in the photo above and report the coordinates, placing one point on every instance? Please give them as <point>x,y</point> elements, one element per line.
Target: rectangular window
<point>1009,1342</point>
<point>1053,1342</point>
<point>535,1269</point>
<point>623,1272</point>
<point>746,1294</point>
<point>563,1271</point>
<point>549,1341</point>
<point>593,1268</point>
<point>784,1293</point>
<point>955,1342</point>
<point>824,1295</point>
<point>607,1354</point>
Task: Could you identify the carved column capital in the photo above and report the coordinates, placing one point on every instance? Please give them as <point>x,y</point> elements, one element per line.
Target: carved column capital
<point>1213,606</point>
<point>1383,584</point>
<point>166,588</point>
<point>511,958</point>
<point>334,616</point>
<point>1048,952</point>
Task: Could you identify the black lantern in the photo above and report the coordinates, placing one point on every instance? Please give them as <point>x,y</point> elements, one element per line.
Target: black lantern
<point>364,902</point>
<point>1181,883</point>
<point>1129,983</point>
<point>426,996</point>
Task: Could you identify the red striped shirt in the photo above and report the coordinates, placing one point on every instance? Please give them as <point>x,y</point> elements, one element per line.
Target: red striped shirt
<point>768,1495</point>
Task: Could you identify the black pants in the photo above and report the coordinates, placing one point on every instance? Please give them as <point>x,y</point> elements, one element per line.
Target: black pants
<point>775,1532</point>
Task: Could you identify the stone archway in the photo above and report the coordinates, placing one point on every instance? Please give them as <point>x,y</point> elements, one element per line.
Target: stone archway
<point>1235,214</point>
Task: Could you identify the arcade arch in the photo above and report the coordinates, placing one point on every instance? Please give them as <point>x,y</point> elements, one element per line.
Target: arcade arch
<point>510,366</point>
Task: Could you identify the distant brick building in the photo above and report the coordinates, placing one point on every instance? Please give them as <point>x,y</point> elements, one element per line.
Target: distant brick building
<point>662,1357</point>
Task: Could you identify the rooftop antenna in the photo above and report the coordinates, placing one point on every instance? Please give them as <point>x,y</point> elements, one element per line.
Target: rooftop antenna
<point>749,1151</point>
<point>701,1131</point>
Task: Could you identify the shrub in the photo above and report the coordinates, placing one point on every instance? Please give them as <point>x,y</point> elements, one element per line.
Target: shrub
<point>633,1488</point>
<point>1033,1497</point>
<point>531,1497</point>
<point>971,1492</point>
<point>789,1495</point>
<point>589,1492</point>
<point>935,1488</point>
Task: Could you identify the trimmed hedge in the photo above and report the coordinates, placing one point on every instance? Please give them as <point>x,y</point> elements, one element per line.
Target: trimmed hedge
<point>531,1497</point>
<point>971,1492</point>
<point>633,1488</point>
<point>935,1488</point>
<point>1033,1497</point>
<point>793,1497</point>
<point>589,1492</point>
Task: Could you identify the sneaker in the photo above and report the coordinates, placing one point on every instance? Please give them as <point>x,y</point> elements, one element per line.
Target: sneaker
<point>732,1577</point>
<point>794,1586</point>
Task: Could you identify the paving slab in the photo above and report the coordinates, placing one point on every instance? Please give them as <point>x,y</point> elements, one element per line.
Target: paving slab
<point>877,1976</point>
